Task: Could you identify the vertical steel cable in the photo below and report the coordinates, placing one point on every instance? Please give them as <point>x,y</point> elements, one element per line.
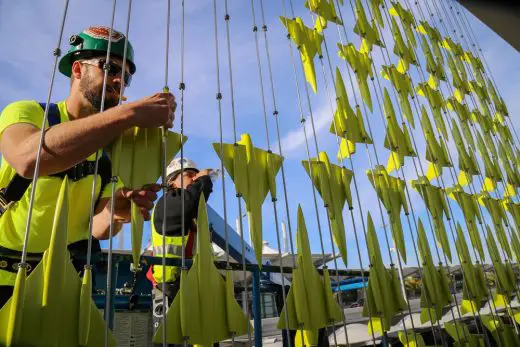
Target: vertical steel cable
<point>398,255</point>
<point>350,207</point>
<point>57,54</point>
<point>474,43</point>
<point>286,199</point>
<point>302,121</point>
<point>238,194</point>
<point>183,194</point>
<point>470,35</point>
<point>506,191</point>
<point>443,186</point>
<point>108,301</point>
<point>355,180</point>
<point>114,179</point>
<point>273,198</point>
<point>219,102</point>
<point>455,181</point>
<point>482,182</point>
<point>422,174</point>
<point>402,172</point>
<point>370,161</point>
<point>416,170</point>
<point>458,26</point>
<point>164,144</point>
<point>420,72</point>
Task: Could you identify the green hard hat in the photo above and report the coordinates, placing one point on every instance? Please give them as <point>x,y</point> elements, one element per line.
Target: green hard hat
<point>93,42</point>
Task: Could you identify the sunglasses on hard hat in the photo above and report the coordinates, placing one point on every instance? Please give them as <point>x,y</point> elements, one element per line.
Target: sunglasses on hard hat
<point>114,69</point>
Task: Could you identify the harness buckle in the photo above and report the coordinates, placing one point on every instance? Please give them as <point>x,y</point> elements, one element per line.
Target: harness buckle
<point>77,172</point>
<point>4,202</point>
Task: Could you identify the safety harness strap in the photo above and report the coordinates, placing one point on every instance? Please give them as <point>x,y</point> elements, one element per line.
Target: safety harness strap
<point>19,185</point>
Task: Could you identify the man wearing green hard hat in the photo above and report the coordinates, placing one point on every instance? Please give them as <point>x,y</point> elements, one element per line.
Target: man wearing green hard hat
<point>76,130</point>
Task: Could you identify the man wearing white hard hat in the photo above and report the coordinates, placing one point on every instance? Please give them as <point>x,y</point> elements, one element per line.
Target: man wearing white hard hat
<point>179,173</point>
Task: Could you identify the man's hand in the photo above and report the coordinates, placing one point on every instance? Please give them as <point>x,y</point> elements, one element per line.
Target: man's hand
<point>205,172</point>
<point>143,198</point>
<point>154,111</point>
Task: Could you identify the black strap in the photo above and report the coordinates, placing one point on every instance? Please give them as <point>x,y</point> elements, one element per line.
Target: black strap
<point>78,253</point>
<point>53,117</point>
<point>19,185</point>
<point>11,264</point>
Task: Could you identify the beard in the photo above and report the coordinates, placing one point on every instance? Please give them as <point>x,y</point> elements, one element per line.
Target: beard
<point>93,93</point>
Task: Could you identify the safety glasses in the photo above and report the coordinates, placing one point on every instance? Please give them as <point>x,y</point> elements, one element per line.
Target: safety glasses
<point>113,69</point>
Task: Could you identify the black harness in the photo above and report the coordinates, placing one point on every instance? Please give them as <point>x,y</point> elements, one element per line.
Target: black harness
<point>19,185</point>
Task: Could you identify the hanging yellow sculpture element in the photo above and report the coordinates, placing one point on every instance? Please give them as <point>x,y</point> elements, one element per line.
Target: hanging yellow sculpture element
<point>480,91</point>
<point>459,332</point>
<point>204,310</point>
<point>436,103</point>
<point>498,216</point>
<point>476,63</point>
<point>476,66</point>
<point>504,333</point>
<point>384,296</point>
<point>376,11</point>
<point>407,20</point>
<point>310,304</point>
<point>46,305</point>
<point>411,339</point>
<point>390,191</point>
<point>347,124</point>
<point>435,292</point>
<point>475,289</point>
<point>308,42</point>
<point>467,162</point>
<point>506,156</point>
<point>505,276</point>
<point>396,140</point>
<point>137,160</point>
<point>362,66</point>
<point>436,152</point>
<point>435,37</point>
<point>403,85</point>
<point>453,47</point>
<point>514,210</point>
<point>404,51</point>
<point>333,184</point>
<point>433,66</point>
<point>484,119</point>
<point>470,209</point>
<point>437,205</point>
<point>325,11</point>
<point>504,132</point>
<point>500,105</point>
<point>253,171</point>
<point>491,168</point>
<point>366,30</point>
<point>463,113</point>
<point>459,79</point>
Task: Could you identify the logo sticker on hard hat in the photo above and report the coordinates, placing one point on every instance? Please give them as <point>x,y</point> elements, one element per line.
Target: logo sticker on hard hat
<point>102,32</point>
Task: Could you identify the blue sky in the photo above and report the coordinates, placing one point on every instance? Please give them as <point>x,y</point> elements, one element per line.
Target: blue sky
<point>29,32</point>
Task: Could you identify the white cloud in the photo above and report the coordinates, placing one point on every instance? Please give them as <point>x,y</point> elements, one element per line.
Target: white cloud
<point>295,139</point>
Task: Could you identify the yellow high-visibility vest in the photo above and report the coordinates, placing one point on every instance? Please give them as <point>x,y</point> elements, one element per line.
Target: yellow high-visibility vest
<point>173,250</point>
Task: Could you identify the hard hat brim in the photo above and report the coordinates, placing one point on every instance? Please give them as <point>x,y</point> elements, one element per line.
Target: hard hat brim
<point>65,65</point>
<point>174,174</point>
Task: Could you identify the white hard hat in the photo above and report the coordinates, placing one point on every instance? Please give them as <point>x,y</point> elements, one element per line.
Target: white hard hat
<point>175,166</point>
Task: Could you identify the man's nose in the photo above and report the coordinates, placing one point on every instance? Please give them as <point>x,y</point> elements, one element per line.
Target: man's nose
<point>117,79</point>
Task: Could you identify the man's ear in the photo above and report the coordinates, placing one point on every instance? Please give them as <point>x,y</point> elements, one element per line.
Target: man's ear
<point>76,70</point>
